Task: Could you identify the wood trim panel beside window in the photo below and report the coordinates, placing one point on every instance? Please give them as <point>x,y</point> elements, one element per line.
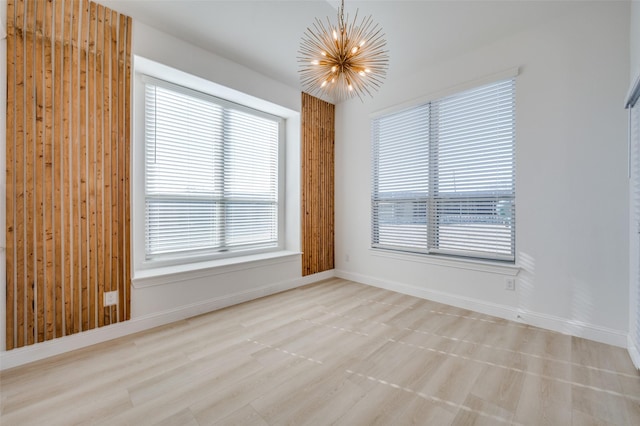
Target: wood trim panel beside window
<point>68,150</point>
<point>318,133</point>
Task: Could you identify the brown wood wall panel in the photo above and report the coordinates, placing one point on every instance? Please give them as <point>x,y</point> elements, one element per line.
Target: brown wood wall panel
<point>68,118</point>
<point>318,131</point>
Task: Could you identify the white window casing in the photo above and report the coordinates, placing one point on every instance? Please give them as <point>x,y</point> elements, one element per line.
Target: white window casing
<point>211,175</point>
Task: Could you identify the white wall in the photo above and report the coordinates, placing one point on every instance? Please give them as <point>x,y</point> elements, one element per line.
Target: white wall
<point>635,38</point>
<point>149,299</point>
<point>571,179</point>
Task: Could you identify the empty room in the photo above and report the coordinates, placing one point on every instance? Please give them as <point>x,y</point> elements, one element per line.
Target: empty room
<point>319,212</point>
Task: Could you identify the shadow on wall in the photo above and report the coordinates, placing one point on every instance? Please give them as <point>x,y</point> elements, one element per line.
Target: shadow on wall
<point>582,303</point>
<point>526,279</point>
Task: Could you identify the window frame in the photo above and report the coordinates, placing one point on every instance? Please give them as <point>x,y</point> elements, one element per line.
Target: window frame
<point>432,217</point>
<point>149,70</point>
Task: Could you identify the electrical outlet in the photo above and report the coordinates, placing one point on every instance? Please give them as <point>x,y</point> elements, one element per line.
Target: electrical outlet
<point>510,284</point>
<point>111,298</point>
<point>346,258</point>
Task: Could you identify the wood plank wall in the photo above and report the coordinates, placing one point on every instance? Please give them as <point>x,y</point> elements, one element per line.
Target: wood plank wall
<point>318,134</point>
<point>68,127</point>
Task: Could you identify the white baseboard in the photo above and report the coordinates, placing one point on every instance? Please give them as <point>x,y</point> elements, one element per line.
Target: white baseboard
<point>27,354</point>
<point>549,322</point>
<point>575,328</point>
<point>634,351</point>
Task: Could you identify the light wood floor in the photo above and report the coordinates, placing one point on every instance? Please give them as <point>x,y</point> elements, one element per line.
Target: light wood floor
<point>331,353</point>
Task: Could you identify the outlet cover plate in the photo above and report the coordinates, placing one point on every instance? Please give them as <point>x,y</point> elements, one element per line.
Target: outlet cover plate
<point>510,284</point>
<point>111,298</point>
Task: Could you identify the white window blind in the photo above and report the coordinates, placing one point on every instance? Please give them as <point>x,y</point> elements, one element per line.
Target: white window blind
<point>444,176</point>
<point>211,174</point>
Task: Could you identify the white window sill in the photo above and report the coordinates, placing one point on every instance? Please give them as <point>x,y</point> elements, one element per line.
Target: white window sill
<point>468,264</point>
<point>176,273</point>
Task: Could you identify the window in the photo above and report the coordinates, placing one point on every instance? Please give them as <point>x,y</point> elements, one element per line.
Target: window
<point>444,177</point>
<point>211,179</point>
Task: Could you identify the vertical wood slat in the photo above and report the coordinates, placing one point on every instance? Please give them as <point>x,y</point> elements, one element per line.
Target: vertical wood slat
<point>92,231</point>
<point>57,138</point>
<point>83,153</point>
<point>19,164</point>
<point>63,134</point>
<point>120,130</point>
<point>65,159</point>
<point>124,287</point>
<point>29,169</point>
<point>36,173</point>
<point>109,146</point>
<point>318,132</point>
<point>49,178</point>
<point>39,143</point>
<point>118,52</point>
<point>113,134</point>
<point>100,191</point>
<point>10,183</point>
<point>38,146</point>
<point>124,70</point>
<point>74,168</point>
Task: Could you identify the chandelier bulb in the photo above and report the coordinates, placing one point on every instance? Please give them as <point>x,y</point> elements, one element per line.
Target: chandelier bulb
<point>315,62</point>
<point>354,49</point>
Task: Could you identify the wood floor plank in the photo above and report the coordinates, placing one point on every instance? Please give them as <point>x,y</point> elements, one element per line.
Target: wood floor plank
<point>480,412</point>
<point>544,401</point>
<point>320,396</point>
<point>421,411</point>
<point>215,406</point>
<point>500,387</point>
<point>182,418</point>
<point>335,352</point>
<point>380,406</point>
<point>599,404</point>
<point>245,416</point>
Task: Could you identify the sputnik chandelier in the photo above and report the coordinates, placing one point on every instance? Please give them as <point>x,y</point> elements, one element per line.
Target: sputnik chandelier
<point>344,60</point>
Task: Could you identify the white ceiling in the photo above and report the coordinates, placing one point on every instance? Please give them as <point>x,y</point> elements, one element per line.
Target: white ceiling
<point>265,34</point>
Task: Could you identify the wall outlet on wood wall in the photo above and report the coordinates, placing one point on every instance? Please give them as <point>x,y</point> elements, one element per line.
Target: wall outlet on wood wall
<point>110,298</point>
